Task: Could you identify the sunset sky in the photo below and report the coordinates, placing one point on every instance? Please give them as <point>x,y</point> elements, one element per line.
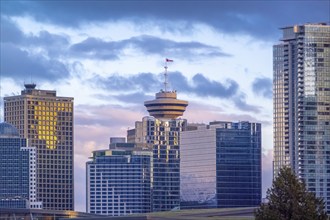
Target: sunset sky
<point>109,56</point>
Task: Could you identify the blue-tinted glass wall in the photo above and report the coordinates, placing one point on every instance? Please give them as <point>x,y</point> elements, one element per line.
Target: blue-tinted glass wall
<point>163,136</point>
<point>220,165</point>
<point>14,170</point>
<point>119,182</point>
<point>238,164</point>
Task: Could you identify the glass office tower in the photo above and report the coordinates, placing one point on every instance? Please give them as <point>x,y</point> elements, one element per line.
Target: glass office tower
<point>221,165</point>
<point>46,120</point>
<point>301,64</point>
<point>163,138</point>
<point>17,170</point>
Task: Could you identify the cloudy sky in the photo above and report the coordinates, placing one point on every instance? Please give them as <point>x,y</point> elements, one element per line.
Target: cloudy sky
<point>109,56</point>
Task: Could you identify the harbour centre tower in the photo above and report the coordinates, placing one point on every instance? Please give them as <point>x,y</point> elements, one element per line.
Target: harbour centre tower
<point>160,133</point>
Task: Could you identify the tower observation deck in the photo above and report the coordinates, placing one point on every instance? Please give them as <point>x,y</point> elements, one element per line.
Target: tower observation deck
<point>166,105</point>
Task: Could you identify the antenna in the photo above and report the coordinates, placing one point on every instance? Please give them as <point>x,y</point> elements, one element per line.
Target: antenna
<point>165,73</point>
<point>165,77</point>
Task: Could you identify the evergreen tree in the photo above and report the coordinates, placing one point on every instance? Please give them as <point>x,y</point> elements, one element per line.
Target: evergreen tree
<point>289,200</point>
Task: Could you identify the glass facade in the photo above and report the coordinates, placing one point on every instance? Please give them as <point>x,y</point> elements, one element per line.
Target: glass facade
<point>221,165</point>
<point>162,136</point>
<point>302,105</point>
<point>198,167</point>
<point>17,170</point>
<point>119,182</point>
<point>238,164</point>
<point>47,121</point>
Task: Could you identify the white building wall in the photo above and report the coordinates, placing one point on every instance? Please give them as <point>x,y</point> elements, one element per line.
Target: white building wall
<point>198,165</point>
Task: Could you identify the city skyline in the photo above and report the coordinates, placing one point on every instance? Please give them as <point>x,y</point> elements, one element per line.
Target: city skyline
<point>112,61</point>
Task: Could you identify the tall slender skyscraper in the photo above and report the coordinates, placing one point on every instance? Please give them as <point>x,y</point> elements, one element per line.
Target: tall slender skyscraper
<point>302,105</point>
<point>47,121</point>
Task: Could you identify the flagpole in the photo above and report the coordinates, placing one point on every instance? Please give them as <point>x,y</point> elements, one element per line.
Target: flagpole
<point>165,73</point>
<point>165,76</point>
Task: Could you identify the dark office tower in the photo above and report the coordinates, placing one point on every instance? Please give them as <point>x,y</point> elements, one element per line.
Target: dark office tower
<point>221,165</point>
<point>47,121</point>
<point>302,105</point>
<point>17,170</point>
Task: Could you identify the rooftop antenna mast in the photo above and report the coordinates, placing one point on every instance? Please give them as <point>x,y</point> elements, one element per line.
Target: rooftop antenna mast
<point>165,73</point>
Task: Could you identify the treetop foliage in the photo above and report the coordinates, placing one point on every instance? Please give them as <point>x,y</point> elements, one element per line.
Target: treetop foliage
<point>289,200</point>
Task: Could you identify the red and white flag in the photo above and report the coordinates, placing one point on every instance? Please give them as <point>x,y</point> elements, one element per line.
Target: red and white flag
<point>168,60</point>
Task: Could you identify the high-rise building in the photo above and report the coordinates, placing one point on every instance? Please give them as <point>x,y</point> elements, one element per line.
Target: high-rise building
<point>301,64</point>
<point>119,180</point>
<point>161,132</point>
<point>17,170</point>
<point>46,120</point>
<point>220,165</point>
<point>163,138</point>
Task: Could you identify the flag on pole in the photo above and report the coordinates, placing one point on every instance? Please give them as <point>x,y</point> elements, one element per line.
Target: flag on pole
<point>168,60</point>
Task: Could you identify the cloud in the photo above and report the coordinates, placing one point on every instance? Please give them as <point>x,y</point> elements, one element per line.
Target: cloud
<point>263,87</point>
<point>27,56</point>
<point>197,112</point>
<point>18,63</point>
<point>80,188</point>
<point>9,32</point>
<point>130,88</point>
<point>148,82</point>
<point>142,82</point>
<point>241,104</point>
<point>154,45</point>
<point>112,115</point>
<point>53,45</point>
<point>202,86</point>
<point>95,48</point>
<point>207,87</point>
<point>256,18</point>
<point>135,98</point>
<point>267,170</point>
